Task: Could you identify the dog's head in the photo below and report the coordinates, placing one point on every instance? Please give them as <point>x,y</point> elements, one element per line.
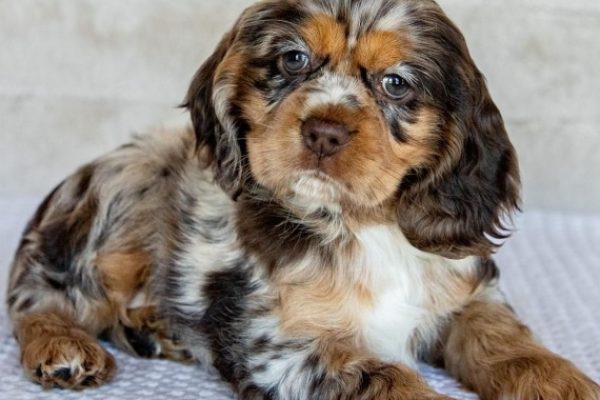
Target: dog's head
<point>360,105</point>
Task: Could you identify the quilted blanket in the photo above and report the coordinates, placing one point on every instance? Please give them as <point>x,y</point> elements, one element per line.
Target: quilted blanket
<point>550,273</point>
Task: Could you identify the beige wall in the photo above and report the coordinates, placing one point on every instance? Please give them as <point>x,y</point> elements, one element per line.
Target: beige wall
<point>77,77</point>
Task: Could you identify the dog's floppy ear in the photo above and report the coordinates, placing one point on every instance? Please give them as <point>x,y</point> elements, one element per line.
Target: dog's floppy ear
<point>209,110</point>
<point>456,208</point>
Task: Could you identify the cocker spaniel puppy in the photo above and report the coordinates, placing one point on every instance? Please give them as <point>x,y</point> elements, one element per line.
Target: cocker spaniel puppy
<point>329,221</point>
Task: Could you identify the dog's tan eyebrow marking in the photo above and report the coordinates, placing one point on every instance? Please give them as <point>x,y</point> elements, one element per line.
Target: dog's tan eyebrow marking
<point>325,36</point>
<point>376,50</point>
<point>379,50</point>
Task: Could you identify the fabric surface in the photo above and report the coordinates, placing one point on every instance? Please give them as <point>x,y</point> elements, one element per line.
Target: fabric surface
<point>550,273</point>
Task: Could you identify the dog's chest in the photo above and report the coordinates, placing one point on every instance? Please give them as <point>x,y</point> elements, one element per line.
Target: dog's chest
<point>412,292</point>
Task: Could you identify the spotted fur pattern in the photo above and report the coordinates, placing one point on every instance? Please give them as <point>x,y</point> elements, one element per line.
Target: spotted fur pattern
<point>295,275</point>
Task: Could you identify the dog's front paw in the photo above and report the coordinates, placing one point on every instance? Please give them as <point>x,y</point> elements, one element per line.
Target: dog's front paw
<point>71,361</point>
<point>389,382</point>
<point>545,377</point>
<point>435,396</point>
<point>405,394</point>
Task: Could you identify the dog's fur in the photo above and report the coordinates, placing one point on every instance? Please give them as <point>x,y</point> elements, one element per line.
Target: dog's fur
<point>297,275</point>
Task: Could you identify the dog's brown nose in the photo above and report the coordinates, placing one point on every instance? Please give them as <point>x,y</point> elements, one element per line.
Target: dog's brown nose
<point>325,138</point>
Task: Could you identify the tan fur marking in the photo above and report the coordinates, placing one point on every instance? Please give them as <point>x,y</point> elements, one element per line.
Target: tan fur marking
<point>254,107</point>
<point>319,306</point>
<point>232,64</point>
<point>378,176</point>
<point>124,273</point>
<point>52,344</point>
<point>385,381</point>
<point>494,354</point>
<point>325,36</point>
<point>425,127</point>
<point>377,51</point>
<point>96,316</point>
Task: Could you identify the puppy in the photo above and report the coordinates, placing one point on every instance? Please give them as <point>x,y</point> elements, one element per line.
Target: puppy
<point>328,222</point>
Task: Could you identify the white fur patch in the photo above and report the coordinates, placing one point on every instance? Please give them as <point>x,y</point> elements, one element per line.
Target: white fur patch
<point>285,374</point>
<point>312,193</point>
<point>283,369</point>
<point>399,277</point>
<point>201,256</point>
<point>331,89</point>
<point>140,300</point>
<point>394,19</point>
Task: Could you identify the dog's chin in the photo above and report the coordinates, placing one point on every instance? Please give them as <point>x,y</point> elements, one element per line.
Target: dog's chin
<point>313,192</point>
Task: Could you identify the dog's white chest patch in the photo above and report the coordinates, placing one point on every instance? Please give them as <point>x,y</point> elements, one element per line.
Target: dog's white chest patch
<point>405,282</point>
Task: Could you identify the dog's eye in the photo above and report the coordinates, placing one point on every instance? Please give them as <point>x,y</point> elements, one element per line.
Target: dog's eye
<point>295,62</point>
<point>395,86</point>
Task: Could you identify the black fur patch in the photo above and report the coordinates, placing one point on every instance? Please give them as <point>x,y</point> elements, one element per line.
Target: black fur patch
<point>63,240</point>
<point>275,19</point>
<point>85,179</point>
<point>227,291</point>
<point>89,381</point>
<point>365,382</point>
<point>11,301</point>
<point>395,127</point>
<point>488,271</point>
<point>40,213</point>
<point>266,230</point>
<point>25,305</point>
<point>140,342</point>
<point>56,284</point>
<point>63,374</point>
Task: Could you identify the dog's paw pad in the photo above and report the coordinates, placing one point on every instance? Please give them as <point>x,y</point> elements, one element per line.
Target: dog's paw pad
<point>68,362</point>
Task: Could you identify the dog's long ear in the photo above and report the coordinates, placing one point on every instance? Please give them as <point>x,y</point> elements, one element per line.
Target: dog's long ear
<point>456,208</point>
<point>209,112</point>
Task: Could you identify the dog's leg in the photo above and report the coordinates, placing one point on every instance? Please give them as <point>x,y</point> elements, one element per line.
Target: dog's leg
<point>331,371</point>
<point>55,352</point>
<point>490,351</point>
<point>144,334</point>
<point>90,249</point>
<point>58,314</point>
<point>56,325</point>
<point>55,299</point>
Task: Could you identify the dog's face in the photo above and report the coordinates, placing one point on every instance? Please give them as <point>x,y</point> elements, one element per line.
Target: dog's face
<point>360,105</point>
